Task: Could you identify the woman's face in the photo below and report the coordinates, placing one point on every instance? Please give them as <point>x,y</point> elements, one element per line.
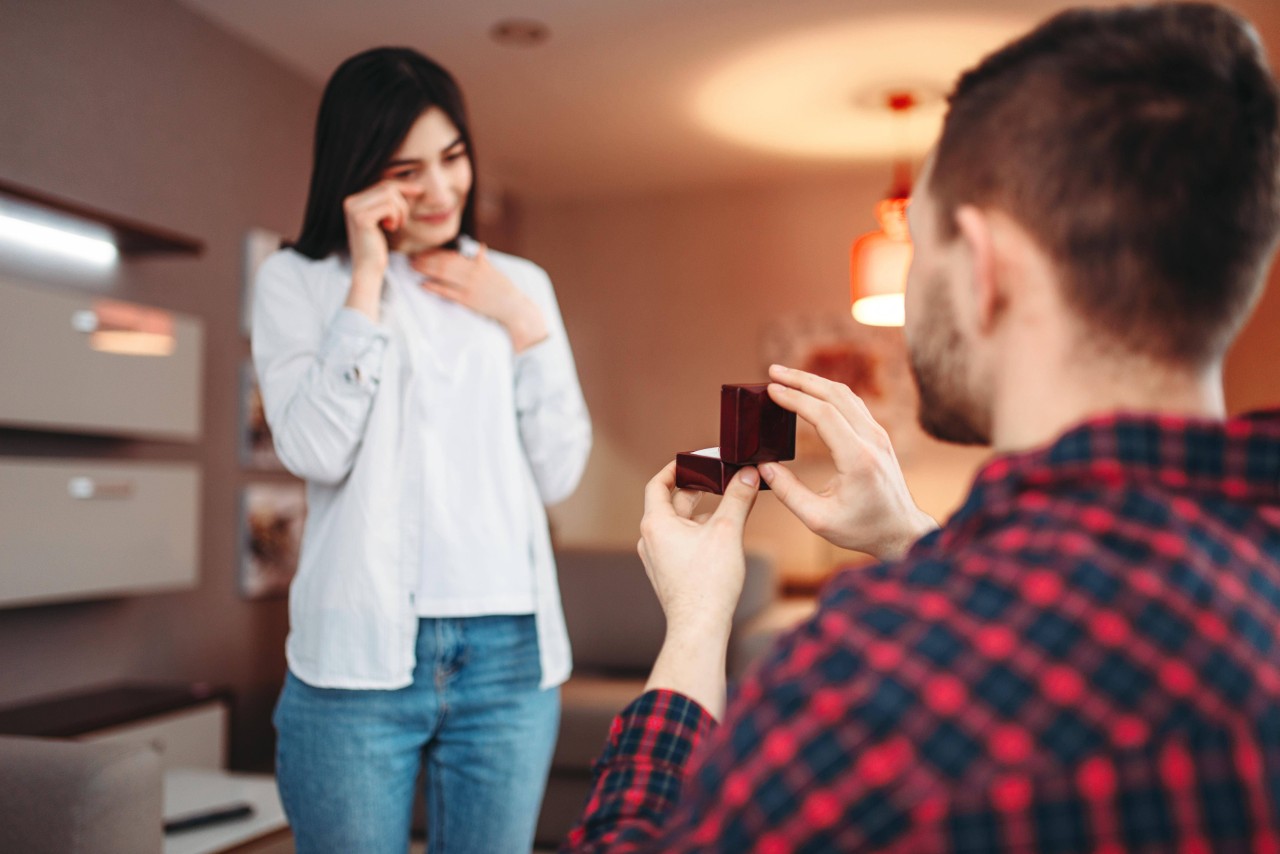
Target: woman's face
<point>434,168</point>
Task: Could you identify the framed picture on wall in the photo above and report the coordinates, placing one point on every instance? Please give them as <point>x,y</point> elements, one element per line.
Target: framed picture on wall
<point>257,448</point>
<point>270,537</point>
<point>258,244</point>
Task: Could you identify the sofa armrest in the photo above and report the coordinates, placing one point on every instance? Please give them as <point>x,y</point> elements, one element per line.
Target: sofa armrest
<point>70,797</point>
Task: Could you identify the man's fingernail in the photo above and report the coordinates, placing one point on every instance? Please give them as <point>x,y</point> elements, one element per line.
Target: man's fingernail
<point>766,471</point>
<point>776,367</point>
<point>749,477</point>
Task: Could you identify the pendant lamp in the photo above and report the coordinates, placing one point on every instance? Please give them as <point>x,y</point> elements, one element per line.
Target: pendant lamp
<point>879,259</point>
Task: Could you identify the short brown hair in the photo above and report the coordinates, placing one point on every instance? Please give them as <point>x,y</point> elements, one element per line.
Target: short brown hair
<point>1139,147</point>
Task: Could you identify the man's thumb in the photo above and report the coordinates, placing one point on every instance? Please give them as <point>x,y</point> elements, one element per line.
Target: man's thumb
<point>793,494</point>
<point>739,496</point>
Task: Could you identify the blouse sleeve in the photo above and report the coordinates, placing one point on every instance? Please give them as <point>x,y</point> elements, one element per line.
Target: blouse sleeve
<point>319,372</point>
<point>552,414</point>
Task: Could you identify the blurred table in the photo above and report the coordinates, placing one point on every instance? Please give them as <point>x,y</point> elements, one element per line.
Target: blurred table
<point>191,790</point>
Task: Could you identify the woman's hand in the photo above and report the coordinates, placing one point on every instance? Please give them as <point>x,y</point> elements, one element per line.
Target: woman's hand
<point>477,284</point>
<point>866,505</point>
<point>371,215</point>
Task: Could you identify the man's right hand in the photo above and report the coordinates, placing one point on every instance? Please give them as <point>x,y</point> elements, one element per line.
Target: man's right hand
<point>866,505</point>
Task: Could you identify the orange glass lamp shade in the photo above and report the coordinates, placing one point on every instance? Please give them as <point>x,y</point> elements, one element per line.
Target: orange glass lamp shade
<point>878,265</point>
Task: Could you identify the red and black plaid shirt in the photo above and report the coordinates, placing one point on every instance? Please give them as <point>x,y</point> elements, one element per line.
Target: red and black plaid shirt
<point>1085,658</point>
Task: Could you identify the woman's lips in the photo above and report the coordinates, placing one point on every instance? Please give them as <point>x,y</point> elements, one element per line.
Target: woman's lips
<point>435,218</point>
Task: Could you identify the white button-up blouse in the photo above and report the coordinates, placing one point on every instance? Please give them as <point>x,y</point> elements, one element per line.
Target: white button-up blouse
<point>429,449</point>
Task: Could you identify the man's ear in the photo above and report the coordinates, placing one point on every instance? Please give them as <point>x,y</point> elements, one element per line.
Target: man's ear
<point>975,230</point>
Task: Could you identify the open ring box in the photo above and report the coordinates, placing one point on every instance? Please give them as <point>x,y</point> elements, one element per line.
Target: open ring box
<point>753,430</point>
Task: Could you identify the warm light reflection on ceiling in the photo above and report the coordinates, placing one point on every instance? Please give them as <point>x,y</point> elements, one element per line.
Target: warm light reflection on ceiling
<point>815,93</point>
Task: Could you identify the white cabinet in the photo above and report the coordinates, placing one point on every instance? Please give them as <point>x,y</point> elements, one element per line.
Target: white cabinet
<point>77,529</point>
<point>194,737</point>
<point>83,364</point>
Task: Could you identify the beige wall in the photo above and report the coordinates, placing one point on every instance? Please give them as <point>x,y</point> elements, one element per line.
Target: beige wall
<point>140,108</point>
<point>1253,367</point>
<point>667,297</point>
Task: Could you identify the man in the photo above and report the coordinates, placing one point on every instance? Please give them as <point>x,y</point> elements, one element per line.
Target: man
<point>1085,657</point>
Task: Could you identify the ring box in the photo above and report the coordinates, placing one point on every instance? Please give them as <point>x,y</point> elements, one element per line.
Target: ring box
<point>753,430</point>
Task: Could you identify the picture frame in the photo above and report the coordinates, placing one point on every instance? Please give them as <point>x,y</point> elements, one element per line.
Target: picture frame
<point>271,521</point>
<point>257,447</point>
<point>258,245</point>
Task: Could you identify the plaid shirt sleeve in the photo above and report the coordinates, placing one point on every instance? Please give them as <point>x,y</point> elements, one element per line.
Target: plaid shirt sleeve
<point>638,778</point>
<point>810,733</point>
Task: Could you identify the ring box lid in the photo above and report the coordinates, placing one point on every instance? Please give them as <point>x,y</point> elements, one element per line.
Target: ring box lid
<point>754,429</point>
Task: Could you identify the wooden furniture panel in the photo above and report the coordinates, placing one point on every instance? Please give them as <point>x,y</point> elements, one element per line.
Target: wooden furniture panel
<point>61,374</point>
<point>195,737</point>
<point>83,529</point>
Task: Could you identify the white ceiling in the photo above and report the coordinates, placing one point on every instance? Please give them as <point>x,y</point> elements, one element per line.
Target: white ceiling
<point>649,95</point>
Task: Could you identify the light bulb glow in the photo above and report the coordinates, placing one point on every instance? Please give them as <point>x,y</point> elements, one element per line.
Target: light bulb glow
<point>124,343</point>
<point>881,310</point>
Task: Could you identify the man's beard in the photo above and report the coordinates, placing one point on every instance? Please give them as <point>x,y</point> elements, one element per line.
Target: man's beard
<point>940,366</point>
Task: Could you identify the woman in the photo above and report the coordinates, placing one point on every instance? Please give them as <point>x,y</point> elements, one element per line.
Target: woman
<point>424,388</point>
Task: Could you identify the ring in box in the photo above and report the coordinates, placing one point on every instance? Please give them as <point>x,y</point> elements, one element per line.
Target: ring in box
<point>753,430</point>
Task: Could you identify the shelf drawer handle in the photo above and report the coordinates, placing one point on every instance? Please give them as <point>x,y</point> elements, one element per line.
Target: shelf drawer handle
<point>85,320</point>
<point>89,489</point>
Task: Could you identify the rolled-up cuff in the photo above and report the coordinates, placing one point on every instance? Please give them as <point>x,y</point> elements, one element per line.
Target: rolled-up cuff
<point>353,349</point>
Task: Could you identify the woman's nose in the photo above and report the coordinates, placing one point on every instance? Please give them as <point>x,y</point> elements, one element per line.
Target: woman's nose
<point>432,183</point>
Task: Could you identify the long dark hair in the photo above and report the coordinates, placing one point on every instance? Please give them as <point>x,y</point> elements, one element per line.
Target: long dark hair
<point>368,108</point>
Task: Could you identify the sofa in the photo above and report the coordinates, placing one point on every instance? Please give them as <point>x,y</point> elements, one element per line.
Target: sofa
<point>74,797</point>
<point>616,628</point>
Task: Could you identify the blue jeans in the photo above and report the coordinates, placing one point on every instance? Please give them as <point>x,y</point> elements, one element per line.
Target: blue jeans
<point>474,719</point>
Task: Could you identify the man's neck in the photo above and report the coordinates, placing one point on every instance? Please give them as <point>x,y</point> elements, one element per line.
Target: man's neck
<point>1033,407</point>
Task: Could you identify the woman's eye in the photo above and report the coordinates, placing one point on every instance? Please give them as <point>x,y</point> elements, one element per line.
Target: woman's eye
<point>454,156</point>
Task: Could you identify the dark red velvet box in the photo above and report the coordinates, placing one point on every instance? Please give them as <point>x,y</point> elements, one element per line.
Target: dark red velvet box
<point>705,470</point>
<point>753,429</point>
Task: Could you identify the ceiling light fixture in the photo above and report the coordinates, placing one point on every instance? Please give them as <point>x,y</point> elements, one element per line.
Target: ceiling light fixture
<point>879,260</point>
<point>45,232</point>
<point>519,32</point>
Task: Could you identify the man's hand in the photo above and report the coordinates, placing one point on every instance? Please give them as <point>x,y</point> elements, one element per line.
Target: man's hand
<point>477,284</point>
<point>866,505</point>
<point>697,567</point>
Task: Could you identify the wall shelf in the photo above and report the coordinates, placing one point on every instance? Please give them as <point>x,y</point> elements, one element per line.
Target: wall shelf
<point>133,239</point>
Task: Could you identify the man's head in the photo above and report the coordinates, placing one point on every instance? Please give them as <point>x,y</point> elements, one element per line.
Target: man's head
<point>1138,150</point>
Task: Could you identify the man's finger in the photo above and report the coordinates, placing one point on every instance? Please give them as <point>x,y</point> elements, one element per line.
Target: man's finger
<point>839,395</point>
<point>803,503</point>
<point>739,496</point>
<point>833,426</point>
<point>657,493</point>
<point>685,501</point>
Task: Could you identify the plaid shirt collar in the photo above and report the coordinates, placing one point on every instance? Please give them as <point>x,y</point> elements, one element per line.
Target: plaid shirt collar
<point>1234,459</point>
